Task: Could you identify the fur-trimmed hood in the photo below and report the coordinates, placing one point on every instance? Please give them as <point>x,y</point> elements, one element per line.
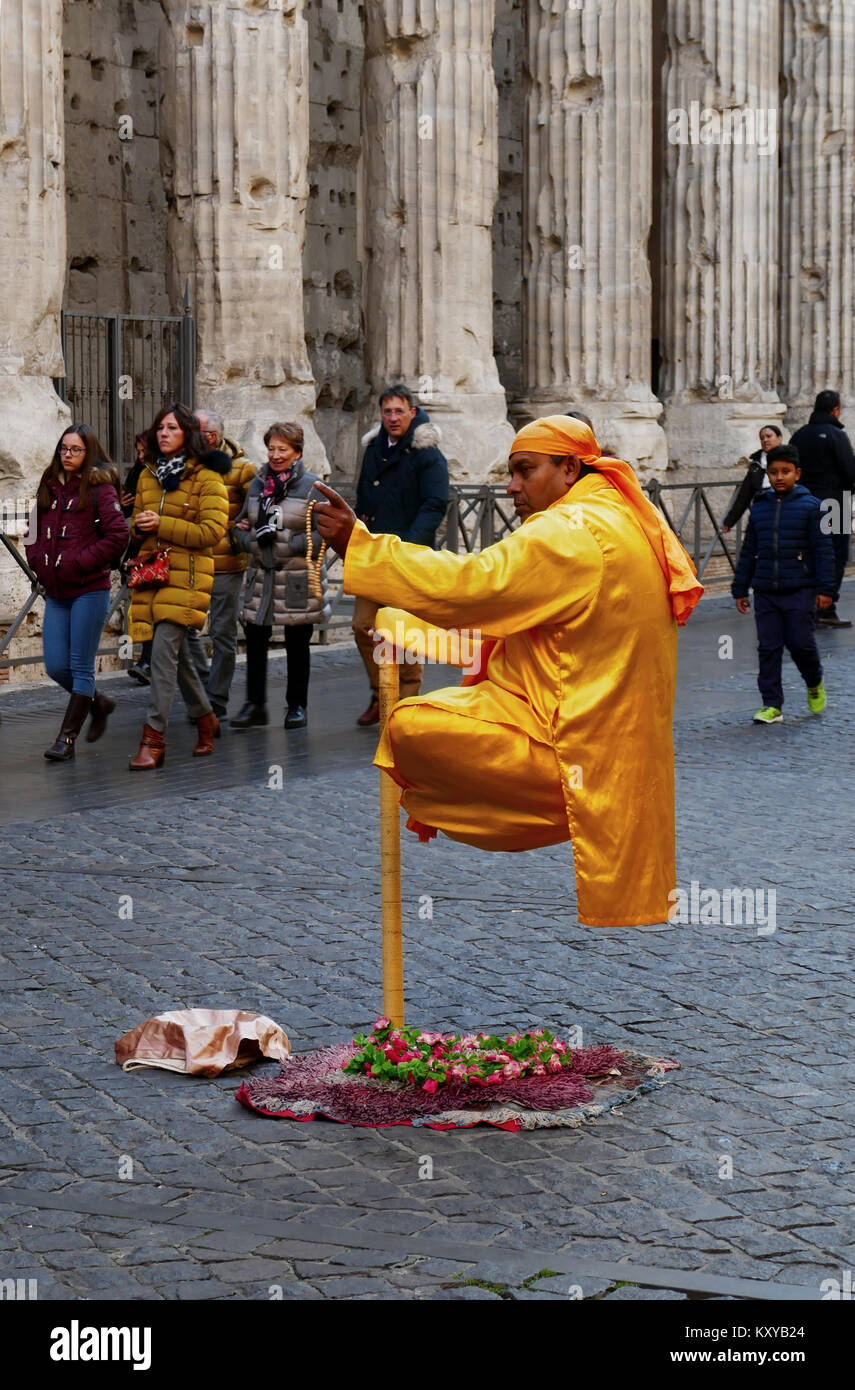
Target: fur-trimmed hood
<point>424,434</point>
<point>217,460</point>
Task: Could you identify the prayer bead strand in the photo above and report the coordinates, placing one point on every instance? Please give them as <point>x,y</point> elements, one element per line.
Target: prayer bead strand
<point>315,566</point>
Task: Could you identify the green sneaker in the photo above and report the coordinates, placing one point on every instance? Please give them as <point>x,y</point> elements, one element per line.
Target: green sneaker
<point>816,699</point>
<point>768,715</point>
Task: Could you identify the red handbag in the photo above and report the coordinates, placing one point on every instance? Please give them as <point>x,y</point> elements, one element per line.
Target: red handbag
<point>149,571</point>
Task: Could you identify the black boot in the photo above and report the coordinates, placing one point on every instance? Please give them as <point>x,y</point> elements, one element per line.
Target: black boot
<point>250,716</point>
<point>72,722</point>
<point>102,708</point>
<point>295,717</point>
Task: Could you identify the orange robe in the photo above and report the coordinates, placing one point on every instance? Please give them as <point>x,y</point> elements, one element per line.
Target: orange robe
<point>569,734</point>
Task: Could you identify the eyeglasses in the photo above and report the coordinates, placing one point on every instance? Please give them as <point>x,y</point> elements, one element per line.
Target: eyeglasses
<point>74,450</point>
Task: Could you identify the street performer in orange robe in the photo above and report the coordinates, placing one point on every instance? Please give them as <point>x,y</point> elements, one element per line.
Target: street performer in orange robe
<point>565,732</point>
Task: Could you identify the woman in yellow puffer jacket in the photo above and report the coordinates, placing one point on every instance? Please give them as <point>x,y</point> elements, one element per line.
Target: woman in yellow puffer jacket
<point>181,502</point>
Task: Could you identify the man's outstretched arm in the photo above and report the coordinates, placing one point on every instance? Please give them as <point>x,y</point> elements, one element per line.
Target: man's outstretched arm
<point>545,572</point>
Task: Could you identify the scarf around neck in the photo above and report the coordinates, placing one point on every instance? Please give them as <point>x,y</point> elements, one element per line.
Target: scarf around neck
<point>273,492</point>
<point>169,471</point>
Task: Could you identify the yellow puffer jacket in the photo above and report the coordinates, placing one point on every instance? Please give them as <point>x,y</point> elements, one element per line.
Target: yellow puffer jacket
<point>227,558</point>
<point>193,519</point>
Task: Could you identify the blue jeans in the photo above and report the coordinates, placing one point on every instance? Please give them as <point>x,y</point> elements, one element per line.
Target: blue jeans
<point>71,632</point>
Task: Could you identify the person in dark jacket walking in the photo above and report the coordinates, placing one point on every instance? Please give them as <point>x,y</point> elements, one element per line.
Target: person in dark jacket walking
<point>828,470</point>
<point>789,562</point>
<point>80,533</point>
<point>282,576</point>
<point>402,491</point>
<point>755,478</point>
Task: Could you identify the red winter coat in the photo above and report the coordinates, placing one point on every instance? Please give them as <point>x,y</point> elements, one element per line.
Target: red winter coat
<point>68,555</point>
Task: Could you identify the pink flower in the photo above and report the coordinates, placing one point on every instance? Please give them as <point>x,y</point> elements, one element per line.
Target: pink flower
<point>430,1085</point>
<point>382,1023</point>
<point>554,1064</point>
<point>511,1069</point>
<point>540,1069</point>
<point>493,1078</point>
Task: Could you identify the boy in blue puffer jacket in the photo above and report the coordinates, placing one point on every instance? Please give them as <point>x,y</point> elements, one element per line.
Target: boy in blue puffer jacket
<point>789,562</point>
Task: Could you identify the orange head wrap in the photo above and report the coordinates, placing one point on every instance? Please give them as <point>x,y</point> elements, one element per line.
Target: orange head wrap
<point>562,435</point>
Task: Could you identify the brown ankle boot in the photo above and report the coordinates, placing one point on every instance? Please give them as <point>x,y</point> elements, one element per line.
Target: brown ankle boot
<point>152,750</point>
<point>371,715</point>
<point>209,729</point>
<point>72,722</point>
<point>102,708</point>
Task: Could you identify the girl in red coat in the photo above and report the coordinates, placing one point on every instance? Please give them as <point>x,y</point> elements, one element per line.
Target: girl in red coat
<point>80,533</point>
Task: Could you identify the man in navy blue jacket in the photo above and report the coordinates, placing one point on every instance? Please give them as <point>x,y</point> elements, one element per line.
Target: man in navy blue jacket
<point>789,562</point>
<point>402,491</point>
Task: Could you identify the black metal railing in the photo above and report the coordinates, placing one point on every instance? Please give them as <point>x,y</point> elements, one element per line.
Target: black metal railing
<point>120,368</point>
<point>694,518</point>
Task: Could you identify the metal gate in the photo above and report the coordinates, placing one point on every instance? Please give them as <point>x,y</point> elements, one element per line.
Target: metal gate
<point>120,369</point>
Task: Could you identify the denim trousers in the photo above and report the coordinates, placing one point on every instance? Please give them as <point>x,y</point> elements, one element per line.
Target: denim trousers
<point>71,633</point>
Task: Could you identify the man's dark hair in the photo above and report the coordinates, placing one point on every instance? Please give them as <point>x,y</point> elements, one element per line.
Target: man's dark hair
<point>400,390</point>
<point>827,401</point>
<point>577,415</point>
<point>788,453</point>
<point>776,429</point>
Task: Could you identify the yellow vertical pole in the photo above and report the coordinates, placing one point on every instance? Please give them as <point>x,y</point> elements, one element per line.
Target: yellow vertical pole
<point>390,863</point>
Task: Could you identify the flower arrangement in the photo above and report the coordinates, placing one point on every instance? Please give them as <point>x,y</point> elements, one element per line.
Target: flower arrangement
<point>431,1060</point>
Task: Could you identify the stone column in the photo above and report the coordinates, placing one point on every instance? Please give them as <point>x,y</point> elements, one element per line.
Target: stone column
<point>720,227</point>
<point>587,209</point>
<point>817,324</point>
<point>235,133</point>
<point>32,261</point>
<point>430,180</point>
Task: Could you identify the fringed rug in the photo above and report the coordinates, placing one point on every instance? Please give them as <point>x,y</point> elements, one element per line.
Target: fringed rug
<point>314,1086</point>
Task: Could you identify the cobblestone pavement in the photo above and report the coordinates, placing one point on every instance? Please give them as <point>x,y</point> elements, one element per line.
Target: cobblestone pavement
<point>739,1169</point>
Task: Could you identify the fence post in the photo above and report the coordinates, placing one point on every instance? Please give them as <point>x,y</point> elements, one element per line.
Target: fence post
<point>452,531</point>
<point>187,353</point>
<point>697,545</point>
<point>486,528</point>
<point>114,368</point>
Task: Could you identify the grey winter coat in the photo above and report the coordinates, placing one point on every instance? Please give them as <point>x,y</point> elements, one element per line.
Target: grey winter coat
<point>277,592</point>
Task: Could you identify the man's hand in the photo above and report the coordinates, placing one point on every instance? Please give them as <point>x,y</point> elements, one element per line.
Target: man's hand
<point>242,525</point>
<point>824,601</point>
<point>744,605</point>
<point>334,519</point>
<point>147,521</point>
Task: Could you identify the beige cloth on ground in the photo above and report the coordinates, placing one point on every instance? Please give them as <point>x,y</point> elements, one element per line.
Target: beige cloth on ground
<point>202,1042</point>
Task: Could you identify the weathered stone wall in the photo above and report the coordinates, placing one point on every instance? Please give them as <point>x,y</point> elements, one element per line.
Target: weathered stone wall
<point>235,146</point>
<point>32,257</point>
<point>720,221</point>
<point>332,274</point>
<point>508,56</point>
<point>115,204</point>
<point>430,117</point>
<point>817,228</point>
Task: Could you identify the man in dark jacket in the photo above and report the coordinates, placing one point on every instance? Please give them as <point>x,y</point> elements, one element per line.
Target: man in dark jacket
<point>828,471</point>
<point>402,491</point>
<point>789,562</point>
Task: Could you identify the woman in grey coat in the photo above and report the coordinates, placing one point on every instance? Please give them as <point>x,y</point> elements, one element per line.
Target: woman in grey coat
<point>283,575</point>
